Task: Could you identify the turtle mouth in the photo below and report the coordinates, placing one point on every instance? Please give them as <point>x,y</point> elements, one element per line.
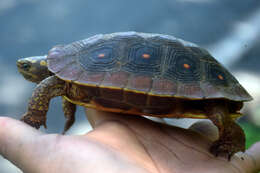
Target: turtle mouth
<point>28,76</point>
<point>26,72</point>
<point>23,66</point>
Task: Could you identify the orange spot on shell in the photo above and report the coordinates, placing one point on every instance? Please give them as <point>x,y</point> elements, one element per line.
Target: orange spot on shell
<point>146,56</point>
<point>187,66</point>
<point>220,77</point>
<point>101,55</point>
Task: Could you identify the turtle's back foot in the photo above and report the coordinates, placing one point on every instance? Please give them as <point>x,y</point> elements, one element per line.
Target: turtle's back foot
<point>231,141</point>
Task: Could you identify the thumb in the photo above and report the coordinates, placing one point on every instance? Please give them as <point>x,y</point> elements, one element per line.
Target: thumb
<point>16,140</point>
<point>254,153</point>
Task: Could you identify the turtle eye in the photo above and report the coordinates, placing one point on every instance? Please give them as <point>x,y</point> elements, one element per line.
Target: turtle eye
<point>26,66</point>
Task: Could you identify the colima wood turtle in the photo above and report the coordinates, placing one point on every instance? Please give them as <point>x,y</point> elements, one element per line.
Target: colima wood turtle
<point>141,74</point>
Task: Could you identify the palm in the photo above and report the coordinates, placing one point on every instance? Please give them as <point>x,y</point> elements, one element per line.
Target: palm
<point>123,144</point>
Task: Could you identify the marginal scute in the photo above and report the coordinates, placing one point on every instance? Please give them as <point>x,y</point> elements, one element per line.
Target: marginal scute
<point>140,83</point>
<point>190,90</point>
<point>90,78</point>
<point>117,79</point>
<point>211,91</point>
<point>162,86</point>
<point>130,97</point>
<point>238,92</point>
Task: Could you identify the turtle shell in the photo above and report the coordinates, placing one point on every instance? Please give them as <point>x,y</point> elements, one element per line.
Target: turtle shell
<point>153,64</point>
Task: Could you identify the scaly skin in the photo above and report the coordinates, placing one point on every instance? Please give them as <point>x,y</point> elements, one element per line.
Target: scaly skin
<point>231,135</point>
<point>35,69</point>
<point>39,102</point>
<point>69,110</point>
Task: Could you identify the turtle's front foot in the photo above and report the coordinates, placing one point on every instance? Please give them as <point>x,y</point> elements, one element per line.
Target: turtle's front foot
<point>35,118</point>
<point>230,142</point>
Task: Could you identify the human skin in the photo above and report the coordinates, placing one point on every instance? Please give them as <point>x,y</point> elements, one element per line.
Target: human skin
<point>120,143</point>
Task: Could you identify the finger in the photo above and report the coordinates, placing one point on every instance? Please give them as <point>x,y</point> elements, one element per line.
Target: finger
<point>205,128</point>
<point>248,161</point>
<point>16,138</point>
<point>254,153</point>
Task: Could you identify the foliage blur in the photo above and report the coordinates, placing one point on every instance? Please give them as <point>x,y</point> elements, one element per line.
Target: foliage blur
<point>252,133</point>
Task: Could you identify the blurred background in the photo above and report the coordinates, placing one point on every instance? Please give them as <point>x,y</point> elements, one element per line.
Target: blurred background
<point>229,29</point>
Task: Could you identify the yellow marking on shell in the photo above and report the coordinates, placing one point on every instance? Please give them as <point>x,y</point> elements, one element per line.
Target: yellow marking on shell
<point>174,96</point>
<point>148,93</point>
<point>43,63</point>
<point>204,116</point>
<point>80,83</point>
<point>133,111</point>
<point>128,90</point>
<point>135,91</point>
<point>36,99</point>
<point>131,90</point>
<point>109,87</point>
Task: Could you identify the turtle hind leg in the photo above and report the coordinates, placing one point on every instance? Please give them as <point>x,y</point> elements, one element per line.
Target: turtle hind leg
<point>231,141</point>
<point>231,135</point>
<point>69,110</point>
<point>39,102</point>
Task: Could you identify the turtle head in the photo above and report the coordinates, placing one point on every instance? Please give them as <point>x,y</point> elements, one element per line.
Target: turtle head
<point>34,68</point>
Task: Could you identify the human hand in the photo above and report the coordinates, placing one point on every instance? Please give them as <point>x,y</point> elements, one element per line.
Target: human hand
<point>118,143</point>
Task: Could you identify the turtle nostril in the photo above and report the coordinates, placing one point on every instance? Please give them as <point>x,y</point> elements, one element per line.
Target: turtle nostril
<point>23,64</point>
<point>19,62</point>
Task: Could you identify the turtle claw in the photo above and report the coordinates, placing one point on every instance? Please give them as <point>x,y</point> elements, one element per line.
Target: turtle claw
<point>68,124</point>
<point>226,149</point>
<point>34,120</point>
<point>229,156</point>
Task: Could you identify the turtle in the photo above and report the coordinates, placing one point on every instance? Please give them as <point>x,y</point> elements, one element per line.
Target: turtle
<point>140,74</point>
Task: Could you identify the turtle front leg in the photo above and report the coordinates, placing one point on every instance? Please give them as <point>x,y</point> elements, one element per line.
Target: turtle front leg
<point>39,102</point>
<point>69,110</point>
<point>231,135</point>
